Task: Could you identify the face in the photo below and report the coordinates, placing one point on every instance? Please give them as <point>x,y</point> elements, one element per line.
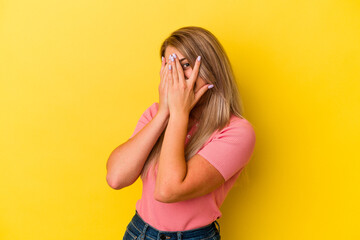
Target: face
<point>187,69</point>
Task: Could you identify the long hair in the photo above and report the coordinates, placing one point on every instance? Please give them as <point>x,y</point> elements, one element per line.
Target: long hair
<point>220,103</point>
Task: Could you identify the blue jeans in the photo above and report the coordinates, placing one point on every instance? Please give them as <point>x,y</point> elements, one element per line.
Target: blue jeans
<point>139,229</point>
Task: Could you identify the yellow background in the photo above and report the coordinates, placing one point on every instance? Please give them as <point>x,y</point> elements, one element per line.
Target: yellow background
<point>77,75</point>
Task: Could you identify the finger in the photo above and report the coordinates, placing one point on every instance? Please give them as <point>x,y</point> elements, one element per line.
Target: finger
<point>169,74</point>
<point>175,75</point>
<point>162,65</point>
<point>166,86</point>
<point>162,70</point>
<point>195,71</point>
<point>181,75</point>
<point>164,73</point>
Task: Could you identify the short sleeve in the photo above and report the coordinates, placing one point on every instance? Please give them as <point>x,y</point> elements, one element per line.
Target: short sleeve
<point>230,149</point>
<point>146,117</point>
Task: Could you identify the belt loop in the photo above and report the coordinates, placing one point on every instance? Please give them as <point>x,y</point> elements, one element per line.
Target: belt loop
<point>142,235</point>
<point>218,225</point>
<point>179,235</point>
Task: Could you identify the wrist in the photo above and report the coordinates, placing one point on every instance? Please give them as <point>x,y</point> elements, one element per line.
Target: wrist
<point>162,115</point>
<point>179,116</point>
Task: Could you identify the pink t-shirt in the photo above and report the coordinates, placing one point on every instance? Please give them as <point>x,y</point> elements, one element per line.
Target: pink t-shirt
<point>228,150</point>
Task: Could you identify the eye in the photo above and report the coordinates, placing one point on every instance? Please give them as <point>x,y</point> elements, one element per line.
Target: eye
<point>186,64</point>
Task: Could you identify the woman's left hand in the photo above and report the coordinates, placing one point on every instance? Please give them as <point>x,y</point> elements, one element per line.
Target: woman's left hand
<point>181,96</point>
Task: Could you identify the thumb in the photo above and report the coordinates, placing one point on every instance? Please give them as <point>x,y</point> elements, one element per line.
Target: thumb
<point>201,91</point>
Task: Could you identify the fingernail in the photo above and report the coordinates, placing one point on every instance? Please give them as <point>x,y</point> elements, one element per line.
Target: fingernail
<point>162,58</point>
<point>210,86</point>
<point>169,67</point>
<point>198,58</point>
<point>174,55</point>
<point>172,58</point>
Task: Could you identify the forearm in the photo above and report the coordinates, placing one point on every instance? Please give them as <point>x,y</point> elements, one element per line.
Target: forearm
<point>127,160</point>
<point>172,165</point>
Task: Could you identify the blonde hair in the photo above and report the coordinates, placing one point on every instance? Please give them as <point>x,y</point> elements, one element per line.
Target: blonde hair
<point>222,101</point>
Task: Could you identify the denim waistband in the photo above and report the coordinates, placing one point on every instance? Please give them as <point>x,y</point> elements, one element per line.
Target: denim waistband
<point>153,233</point>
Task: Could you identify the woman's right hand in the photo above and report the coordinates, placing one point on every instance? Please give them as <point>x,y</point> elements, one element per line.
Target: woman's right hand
<point>163,101</point>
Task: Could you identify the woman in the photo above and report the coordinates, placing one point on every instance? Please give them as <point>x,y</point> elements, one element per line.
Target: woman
<point>189,148</point>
